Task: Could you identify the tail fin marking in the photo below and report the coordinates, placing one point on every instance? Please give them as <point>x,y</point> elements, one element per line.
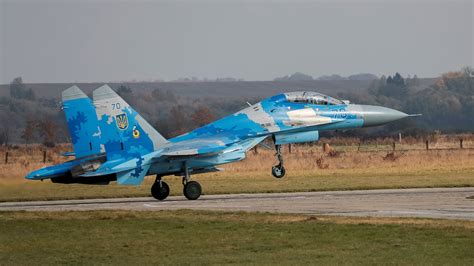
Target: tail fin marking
<point>82,122</point>
<point>124,131</point>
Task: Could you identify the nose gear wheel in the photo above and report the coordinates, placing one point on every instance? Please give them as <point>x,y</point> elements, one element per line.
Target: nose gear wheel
<point>278,170</point>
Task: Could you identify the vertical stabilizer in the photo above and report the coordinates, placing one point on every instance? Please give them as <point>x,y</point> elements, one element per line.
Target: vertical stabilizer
<point>81,121</point>
<point>124,131</point>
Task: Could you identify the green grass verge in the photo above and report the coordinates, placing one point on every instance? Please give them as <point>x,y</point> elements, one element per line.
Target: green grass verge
<point>189,237</point>
<point>247,182</point>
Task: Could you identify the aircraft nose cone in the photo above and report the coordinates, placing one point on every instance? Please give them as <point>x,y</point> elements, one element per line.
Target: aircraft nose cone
<point>378,115</point>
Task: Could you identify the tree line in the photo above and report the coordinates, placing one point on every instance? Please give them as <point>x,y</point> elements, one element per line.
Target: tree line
<point>447,106</point>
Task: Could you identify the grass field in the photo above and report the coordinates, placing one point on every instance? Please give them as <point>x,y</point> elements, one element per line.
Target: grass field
<point>189,237</point>
<point>197,237</point>
<point>252,182</point>
<point>308,169</point>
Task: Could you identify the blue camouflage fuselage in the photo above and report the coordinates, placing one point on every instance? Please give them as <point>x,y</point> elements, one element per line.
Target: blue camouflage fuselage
<point>273,116</point>
<point>134,148</point>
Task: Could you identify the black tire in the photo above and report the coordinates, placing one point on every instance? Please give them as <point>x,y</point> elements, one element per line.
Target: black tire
<point>192,190</point>
<point>278,171</point>
<point>160,192</point>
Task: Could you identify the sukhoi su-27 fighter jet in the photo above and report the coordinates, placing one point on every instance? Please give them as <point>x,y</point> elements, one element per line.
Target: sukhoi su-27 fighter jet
<point>112,142</point>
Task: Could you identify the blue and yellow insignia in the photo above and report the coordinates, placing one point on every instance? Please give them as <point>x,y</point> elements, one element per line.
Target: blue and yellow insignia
<point>122,121</point>
<point>135,132</point>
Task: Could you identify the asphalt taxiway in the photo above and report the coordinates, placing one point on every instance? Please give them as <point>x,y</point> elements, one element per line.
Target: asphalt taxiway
<point>446,203</point>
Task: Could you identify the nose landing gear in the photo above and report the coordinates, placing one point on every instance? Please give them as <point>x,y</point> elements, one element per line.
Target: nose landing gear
<point>278,170</point>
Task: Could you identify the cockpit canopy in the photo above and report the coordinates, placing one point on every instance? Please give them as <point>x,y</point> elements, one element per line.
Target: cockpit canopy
<point>311,98</point>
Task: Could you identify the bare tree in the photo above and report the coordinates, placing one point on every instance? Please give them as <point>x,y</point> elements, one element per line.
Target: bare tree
<point>178,120</point>
<point>18,90</point>
<point>47,129</point>
<point>29,130</point>
<point>126,93</point>
<point>5,136</point>
<point>202,116</point>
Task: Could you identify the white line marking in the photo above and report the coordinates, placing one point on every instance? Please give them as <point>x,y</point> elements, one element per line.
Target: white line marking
<point>194,206</point>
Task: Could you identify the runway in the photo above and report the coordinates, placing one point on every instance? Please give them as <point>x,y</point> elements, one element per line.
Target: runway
<point>446,203</point>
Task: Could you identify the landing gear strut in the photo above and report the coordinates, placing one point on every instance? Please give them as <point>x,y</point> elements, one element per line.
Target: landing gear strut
<point>192,189</point>
<point>278,170</point>
<point>160,190</point>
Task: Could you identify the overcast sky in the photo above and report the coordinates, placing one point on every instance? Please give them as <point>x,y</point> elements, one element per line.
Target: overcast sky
<point>86,41</point>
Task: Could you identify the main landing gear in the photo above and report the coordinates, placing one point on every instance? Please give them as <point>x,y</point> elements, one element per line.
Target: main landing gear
<point>160,190</point>
<point>191,189</point>
<point>278,170</point>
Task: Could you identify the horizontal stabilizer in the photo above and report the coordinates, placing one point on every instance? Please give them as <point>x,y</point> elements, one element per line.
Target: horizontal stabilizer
<point>133,177</point>
<point>114,167</point>
<point>125,175</point>
<point>101,172</point>
<point>129,172</point>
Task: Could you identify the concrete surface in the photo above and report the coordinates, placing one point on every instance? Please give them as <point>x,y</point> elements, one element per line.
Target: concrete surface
<point>447,203</point>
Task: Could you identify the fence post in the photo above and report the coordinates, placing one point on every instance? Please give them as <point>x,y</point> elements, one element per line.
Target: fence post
<point>289,148</point>
<point>427,145</point>
<point>6,157</point>
<point>393,146</point>
<point>325,147</point>
<point>460,143</point>
<point>44,156</point>
<point>358,147</point>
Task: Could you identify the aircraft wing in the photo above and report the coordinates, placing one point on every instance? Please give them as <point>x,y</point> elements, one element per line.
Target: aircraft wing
<point>132,170</point>
<point>196,146</point>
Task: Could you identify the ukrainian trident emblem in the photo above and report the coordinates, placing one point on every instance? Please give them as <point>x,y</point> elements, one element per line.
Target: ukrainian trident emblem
<point>122,121</point>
